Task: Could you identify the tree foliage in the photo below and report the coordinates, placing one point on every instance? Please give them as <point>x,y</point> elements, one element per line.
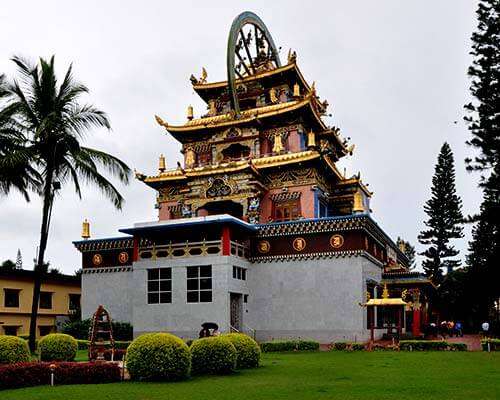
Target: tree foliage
<point>42,125</point>
<point>484,125</point>
<point>444,211</point>
<point>408,250</point>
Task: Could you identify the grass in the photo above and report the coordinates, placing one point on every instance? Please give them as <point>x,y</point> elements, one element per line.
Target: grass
<point>324,375</point>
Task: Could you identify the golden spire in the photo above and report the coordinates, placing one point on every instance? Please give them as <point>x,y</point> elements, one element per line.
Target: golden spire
<point>385,292</point>
<point>358,206</point>
<point>161,163</point>
<point>278,144</point>
<point>311,139</point>
<point>85,229</point>
<point>190,112</point>
<point>402,246</point>
<point>296,90</point>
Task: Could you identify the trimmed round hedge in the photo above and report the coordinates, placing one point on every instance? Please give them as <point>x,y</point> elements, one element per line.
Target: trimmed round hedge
<point>13,349</point>
<point>158,356</point>
<point>57,347</point>
<point>247,349</point>
<point>213,355</point>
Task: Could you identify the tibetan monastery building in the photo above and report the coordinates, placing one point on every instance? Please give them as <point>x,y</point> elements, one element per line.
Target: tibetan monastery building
<point>257,229</point>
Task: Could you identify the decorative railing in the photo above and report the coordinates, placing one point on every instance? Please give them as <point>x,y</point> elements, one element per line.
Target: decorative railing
<point>190,249</point>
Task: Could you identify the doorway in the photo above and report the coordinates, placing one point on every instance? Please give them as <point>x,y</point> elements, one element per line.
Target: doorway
<point>236,311</point>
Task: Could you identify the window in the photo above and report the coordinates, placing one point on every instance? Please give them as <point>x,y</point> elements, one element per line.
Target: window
<point>286,210</point>
<point>46,300</point>
<point>245,298</point>
<point>10,330</point>
<point>74,302</point>
<point>199,284</point>
<point>11,298</point>
<point>45,330</point>
<point>239,273</point>
<point>159,285</point>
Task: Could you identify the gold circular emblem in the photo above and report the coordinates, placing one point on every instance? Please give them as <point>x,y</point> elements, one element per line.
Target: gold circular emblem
<point>97,259</point>
<point>123,257</point>
<point>337,241</point>
<point>263,247</point>
<point>299,244</point>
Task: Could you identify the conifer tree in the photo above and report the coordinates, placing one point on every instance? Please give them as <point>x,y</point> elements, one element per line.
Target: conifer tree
<point>444,210</point>
<point>484,125</point>
<point>408,250</point>
<point>19,260</point>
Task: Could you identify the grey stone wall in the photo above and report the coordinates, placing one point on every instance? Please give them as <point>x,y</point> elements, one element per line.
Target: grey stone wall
<point>112,290</point>
<point>316,299</point>
<point>180,317</point>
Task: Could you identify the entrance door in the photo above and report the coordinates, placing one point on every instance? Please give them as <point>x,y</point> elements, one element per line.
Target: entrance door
<point>236,310</point>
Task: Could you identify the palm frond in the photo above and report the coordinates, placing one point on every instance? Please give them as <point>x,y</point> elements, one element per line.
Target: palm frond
<point>112,164</point>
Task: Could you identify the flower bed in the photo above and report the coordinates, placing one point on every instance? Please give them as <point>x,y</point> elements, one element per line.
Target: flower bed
<point>431,345</point>
<point>289,345</point>
<point>65,373</point>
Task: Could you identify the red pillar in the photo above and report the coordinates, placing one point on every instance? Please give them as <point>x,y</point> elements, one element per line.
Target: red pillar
<point>135,252</point>
<point>226,241</point>
<point>415,329</point>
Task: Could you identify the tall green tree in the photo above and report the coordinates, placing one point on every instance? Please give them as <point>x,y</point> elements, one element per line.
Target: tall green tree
<point>51,123</point>
<point>15,169</point>
<point>408,250</point>
<point>484,125</point>
<point>444,211</point>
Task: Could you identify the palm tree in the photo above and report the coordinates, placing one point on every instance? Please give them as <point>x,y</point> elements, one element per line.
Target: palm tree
<point>15,169</point>
<point>52,123</point>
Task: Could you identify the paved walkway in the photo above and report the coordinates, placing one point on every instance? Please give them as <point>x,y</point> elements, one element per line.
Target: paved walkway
<point>473,342</point>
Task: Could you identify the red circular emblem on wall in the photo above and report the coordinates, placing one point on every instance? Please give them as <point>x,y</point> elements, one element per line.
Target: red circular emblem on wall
<point>299,244</point>
<point>123,257</point>
<point>97,259</point>
<point>263,247</point>
<point>337,241</point>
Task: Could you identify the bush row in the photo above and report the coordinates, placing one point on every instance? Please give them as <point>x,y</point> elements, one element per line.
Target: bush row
<point>13,350</point>
<point>494,344</point>
<point>80,329</point>
<point>289,345</point>
<point>404,345</point>
<point>162,356</point>
<point>65,373</point>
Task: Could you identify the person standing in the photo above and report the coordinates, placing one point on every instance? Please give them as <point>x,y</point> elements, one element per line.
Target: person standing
<point>485,327</point>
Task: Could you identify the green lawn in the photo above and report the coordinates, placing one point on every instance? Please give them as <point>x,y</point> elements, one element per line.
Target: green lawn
<point>325,375</point>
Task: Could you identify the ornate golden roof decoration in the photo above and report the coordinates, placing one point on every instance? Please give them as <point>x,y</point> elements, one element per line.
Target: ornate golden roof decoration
<point>85,229</point>
<point>190,112</point>
<point>161,163</point>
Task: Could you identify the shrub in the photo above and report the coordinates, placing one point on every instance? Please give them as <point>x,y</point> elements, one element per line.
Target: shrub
<point>13,350</point>
<point>65,373</point>
<point>213,355</point>
<point>339,345</point>
<point>458,346</point>
<point>289,345</point>
<point>80,329</point>
<point>357,346</point>
<point>494,344</point>
<point>158,356</point>
<point>57,347</point>
<point>247,350</point>
<point>423,345</point>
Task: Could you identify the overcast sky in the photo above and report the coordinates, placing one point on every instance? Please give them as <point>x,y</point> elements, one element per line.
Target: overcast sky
<point>394,73</point>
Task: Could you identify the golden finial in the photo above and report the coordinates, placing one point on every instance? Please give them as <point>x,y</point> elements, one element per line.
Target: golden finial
<point>313,88</point>
<point>85,229</point>
<point>311,139</point>
<point>204,76</point>
<point>296,90</point>
<point>358,206</point>
<point>161,163</point>
<point>273,96</point>
<point>278,144</point>
<point>385,292</point>
<point>190,112</point>
<point>292,56</point>
<point>402,246</point>
<point>350,149</point>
